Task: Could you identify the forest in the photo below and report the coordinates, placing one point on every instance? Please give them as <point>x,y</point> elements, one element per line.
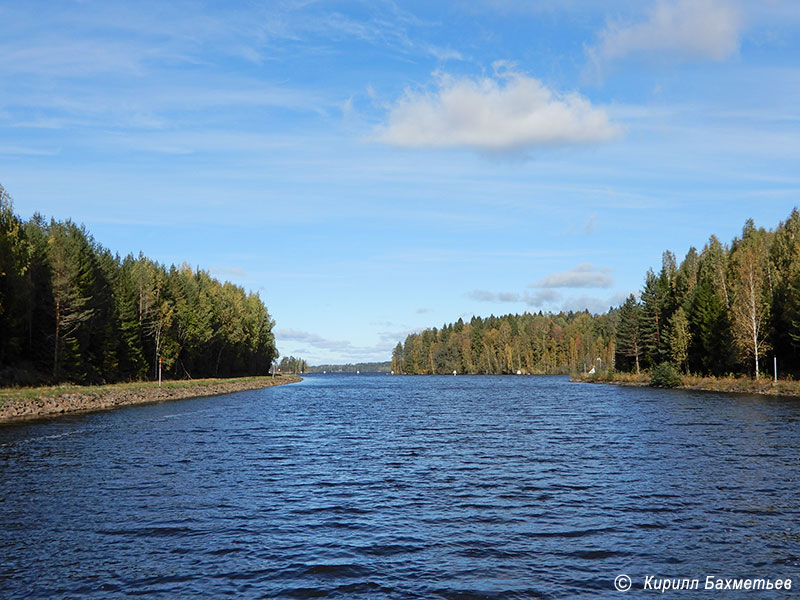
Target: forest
<point>529,343</point>
<point>70,310</point>
<point>727,309</point>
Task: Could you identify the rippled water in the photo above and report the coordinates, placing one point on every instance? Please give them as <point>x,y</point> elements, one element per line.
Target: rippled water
<point>403,487</point>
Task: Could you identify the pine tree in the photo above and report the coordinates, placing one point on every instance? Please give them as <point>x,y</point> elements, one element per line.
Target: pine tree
<point>397,358</point>
<point>651,323</point>
<point>72,275</point>
<point>14,285</point>
<point>629,342</point>
<point>785,301</point>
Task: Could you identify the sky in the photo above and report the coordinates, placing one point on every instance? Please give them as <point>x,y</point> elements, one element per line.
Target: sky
<point>374,168</point>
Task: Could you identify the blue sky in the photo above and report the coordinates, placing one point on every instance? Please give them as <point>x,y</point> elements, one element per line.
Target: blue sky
<point>373,168</point>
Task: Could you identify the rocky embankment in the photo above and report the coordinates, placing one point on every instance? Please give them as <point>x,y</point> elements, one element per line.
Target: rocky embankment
<point>88,399</point>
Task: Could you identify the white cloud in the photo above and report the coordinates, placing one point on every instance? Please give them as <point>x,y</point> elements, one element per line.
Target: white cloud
<point>343,349</point>
<point>487,296</point>
<point>542,297</point>
<point>593,305</point>
<point>676,30</point>
<point>312,339</point>
<point>507,112</point>
<point>444,54</point>
<point>584,275</point>
<point>551,300</point>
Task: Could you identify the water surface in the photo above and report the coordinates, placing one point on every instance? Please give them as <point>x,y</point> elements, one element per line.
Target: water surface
<point>403,487</point>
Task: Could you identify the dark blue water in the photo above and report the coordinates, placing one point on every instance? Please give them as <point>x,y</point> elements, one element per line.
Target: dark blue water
<point>403,487</point>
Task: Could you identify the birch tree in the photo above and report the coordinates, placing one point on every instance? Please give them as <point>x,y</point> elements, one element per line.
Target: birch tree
<point>750,308</point>
<point>679,338</point>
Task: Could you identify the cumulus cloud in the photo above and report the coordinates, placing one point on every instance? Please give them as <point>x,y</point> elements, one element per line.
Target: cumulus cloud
<point>507,112</point>
<point>678,30</point>
<point>584,275</point>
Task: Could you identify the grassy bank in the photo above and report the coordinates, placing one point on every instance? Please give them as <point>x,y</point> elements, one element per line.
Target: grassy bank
<point>36,402</point>
<point>742,385</point>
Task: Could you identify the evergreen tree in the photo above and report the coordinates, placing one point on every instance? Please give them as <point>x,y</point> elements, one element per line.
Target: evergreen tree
<point>651,324</point>
<point>785,300</point>
<point>14,284</point>
<point>397,358</point>
<point>70,308</point>
<point>72,275</point>
<point>629,332</point>
<point>710,343</point>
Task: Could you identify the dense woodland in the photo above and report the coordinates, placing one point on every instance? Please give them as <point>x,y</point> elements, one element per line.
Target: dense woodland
<point>725,309</point>
<point>70,310</point>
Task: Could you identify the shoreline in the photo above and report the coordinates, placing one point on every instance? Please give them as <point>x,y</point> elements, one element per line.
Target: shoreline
<point>24,404</point>
<point>724,385</point>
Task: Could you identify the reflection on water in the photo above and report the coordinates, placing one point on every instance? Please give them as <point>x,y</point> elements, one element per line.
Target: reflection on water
<point>402,487</point>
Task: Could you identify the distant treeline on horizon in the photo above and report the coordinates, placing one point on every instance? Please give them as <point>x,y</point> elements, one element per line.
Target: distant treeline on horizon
<point>365,367</point>
<point>70,310</point>
<point>726,309</point>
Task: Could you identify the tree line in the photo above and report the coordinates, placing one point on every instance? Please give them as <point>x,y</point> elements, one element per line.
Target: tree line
<point>362,367</point>
<point>723,310</point>
<point>729,308</point>
<point>290,364</point>
<point>70,310</point>
<point>527,343</point>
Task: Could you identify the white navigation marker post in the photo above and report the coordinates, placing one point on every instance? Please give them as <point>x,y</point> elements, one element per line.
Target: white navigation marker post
<point>159,372</point>
<point>775,362</point>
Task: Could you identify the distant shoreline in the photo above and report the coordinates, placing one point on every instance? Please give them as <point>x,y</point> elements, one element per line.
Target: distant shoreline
<point>765,386</point>
<point>22,404</point>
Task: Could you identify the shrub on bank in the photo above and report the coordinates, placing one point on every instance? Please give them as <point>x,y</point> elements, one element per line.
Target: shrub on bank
<point>666,376</point>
